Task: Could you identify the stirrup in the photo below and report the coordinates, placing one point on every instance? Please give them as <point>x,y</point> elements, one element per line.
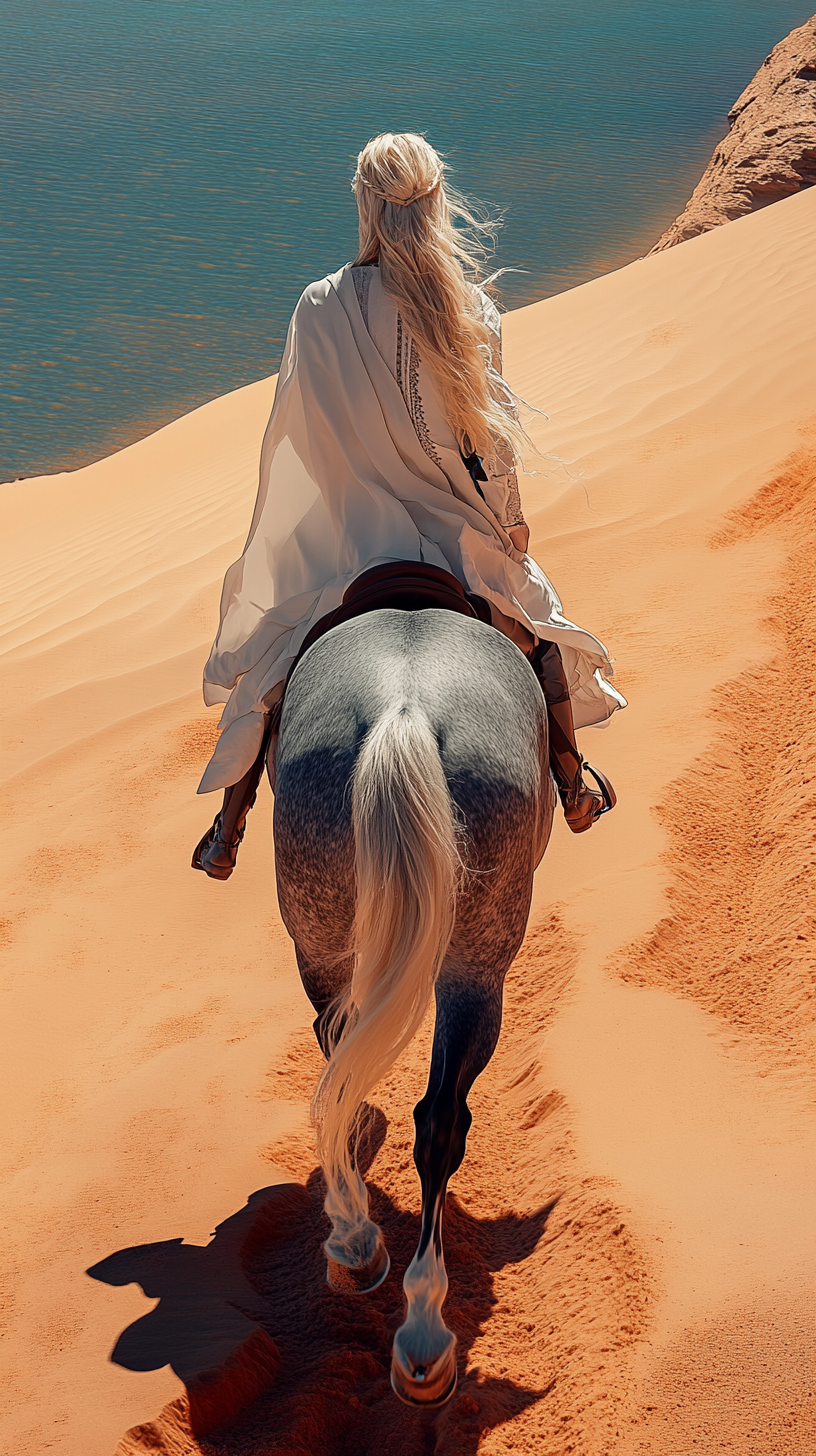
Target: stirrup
<point>583,805</point>
<point>209,842</point>
<point>608,794</point>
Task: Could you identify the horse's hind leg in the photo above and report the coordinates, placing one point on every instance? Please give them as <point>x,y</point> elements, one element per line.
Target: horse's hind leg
<point>357,1260</point>
<point>468,1022</point>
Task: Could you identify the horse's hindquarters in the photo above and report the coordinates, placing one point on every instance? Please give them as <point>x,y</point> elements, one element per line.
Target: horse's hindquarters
<point>409,743</point>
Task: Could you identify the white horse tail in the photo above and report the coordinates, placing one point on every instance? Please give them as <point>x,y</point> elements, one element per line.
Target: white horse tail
<point>408,867</point>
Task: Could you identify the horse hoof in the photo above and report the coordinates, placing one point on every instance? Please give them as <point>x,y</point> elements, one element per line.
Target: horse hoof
<point>426,1385</point>
<point>344,1279</point>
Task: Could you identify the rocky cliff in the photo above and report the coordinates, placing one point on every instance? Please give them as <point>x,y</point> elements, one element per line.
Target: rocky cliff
<point>770,149</point>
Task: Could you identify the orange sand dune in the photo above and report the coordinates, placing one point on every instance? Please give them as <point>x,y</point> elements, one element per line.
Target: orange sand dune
<point>631,1237</point>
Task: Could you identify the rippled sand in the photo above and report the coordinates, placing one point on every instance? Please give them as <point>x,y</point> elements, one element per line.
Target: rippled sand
<point>630,1238</point>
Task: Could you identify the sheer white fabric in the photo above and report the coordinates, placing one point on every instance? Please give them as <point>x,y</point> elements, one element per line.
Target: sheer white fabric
<point>346,483</point>
<point>422,400</point>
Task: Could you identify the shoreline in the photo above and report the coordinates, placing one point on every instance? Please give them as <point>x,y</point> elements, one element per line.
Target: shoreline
<point>122,438</point>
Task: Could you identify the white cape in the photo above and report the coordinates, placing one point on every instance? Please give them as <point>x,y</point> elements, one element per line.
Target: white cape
<point>344,485</point>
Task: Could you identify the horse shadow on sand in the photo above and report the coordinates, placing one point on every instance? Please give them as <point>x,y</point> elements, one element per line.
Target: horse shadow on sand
<point>273,1361</point>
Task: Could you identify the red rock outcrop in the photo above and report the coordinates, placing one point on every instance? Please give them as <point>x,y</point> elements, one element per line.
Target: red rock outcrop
<point>770,149</point>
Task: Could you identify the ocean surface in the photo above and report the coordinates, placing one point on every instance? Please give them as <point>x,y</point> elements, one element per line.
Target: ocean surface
<point>175,171</point>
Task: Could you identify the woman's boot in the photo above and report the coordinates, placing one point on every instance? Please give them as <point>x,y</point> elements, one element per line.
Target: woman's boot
<point>582,805</point>
<point>218,850</point>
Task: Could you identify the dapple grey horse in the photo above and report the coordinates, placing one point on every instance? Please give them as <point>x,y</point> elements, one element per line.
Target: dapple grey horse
<point>413,801</point>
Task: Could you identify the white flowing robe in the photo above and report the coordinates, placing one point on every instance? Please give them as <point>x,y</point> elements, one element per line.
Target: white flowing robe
<point>346,484</point>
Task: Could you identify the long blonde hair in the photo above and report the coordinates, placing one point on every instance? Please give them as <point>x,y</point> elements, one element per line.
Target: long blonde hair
<point>430,269</point>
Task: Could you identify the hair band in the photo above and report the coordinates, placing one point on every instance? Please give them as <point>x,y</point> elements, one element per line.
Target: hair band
<point>398,201</point>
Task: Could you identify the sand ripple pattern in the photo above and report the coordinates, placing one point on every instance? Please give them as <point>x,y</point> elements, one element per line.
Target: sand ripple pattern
<point>742,820</point>
<point>549,1289</point>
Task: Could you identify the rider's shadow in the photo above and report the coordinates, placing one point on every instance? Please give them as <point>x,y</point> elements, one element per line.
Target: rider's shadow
<point>265,1349</point>
<point>209,1323</point>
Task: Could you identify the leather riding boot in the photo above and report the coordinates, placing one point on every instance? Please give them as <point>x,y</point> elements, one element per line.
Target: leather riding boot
<point>582,805</point>
<point>217,852</point>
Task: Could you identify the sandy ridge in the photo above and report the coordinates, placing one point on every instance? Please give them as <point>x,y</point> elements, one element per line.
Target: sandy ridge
<point>741,934</point>
<point>160,1065</point>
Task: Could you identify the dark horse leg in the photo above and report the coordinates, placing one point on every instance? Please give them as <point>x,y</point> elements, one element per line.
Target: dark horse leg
<point>468,1022</point>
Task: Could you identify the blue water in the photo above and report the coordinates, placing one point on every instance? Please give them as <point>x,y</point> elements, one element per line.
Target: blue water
<point>177,170</point>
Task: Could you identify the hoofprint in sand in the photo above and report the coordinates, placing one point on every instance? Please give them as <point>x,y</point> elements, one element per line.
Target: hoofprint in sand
<point>630,1239</point>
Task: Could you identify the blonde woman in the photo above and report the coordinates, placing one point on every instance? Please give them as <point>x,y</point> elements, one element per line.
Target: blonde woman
<point>393,437</point>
